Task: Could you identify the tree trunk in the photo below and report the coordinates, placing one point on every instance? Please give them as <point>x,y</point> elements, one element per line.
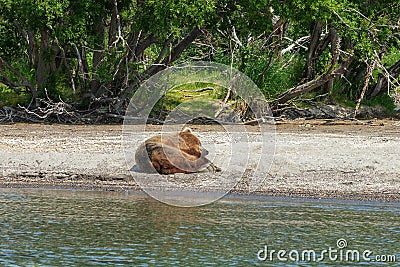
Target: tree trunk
<point>112,31</point>
<point>47,64</point>
<point>84,69</point>
<point>44,66</point>
<point>33,49</point>
<point>334,39</point>
<point>311,55</point>
<point>98,56</point>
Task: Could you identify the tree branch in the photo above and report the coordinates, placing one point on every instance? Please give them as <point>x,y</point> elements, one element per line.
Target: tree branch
<point>181,46</point>
<point>7,80</point>
<point>386,78</point>
<point>168,59</point>
<point>313,84</point>
<point>176,51</point>
<point>143,44</point>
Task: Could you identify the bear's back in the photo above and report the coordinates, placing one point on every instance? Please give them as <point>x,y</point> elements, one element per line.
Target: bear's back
<point>183,149</point>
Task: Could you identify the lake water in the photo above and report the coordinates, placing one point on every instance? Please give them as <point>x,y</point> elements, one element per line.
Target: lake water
<point>81,228</point>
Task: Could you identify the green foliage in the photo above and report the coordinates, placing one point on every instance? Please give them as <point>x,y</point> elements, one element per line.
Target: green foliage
<point>342,94</point>
<point>164,18</point>
<point>280,78</point>
<point>391,57</point>
<point>11,98</point>
<point>239,33</point>
<point>383,100</point>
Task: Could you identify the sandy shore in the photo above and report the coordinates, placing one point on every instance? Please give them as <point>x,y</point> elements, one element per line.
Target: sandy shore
<point>315,159</point>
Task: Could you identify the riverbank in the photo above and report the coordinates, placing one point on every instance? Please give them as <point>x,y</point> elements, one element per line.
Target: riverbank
<point>313,158</point>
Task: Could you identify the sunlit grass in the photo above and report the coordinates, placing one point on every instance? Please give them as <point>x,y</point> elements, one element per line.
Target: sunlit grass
<point>198,91</point>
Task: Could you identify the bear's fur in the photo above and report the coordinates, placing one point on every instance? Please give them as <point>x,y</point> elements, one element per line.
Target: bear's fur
<point>173,153</point>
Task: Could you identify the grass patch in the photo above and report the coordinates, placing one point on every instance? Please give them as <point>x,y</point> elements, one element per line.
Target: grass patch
<point>201,92</point>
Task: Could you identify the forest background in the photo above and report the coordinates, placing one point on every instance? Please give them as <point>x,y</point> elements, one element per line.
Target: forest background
<point>72,60</point>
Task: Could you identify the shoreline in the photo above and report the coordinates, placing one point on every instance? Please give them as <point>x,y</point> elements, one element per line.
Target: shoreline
<point>231,195</point>
<point>89,185</point>
<point>318,159</point>
<point>302,194</point>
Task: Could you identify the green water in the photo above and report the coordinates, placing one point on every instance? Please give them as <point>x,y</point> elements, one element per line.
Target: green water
<point>78,228</point>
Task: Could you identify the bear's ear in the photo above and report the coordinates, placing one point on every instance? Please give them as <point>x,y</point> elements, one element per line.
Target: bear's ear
<point>187,130</point>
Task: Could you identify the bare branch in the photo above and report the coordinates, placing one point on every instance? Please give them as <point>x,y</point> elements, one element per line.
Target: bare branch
<point>297,43</point>
<point>115,27</point>
<point>50,108</point>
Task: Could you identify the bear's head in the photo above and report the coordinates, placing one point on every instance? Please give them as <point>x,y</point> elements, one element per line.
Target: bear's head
<point>191,144</point>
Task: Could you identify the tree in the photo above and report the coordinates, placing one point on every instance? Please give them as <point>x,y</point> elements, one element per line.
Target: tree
<point>29,34</point>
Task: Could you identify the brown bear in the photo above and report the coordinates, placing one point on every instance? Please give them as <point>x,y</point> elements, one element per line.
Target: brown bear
<point>173,153</point>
